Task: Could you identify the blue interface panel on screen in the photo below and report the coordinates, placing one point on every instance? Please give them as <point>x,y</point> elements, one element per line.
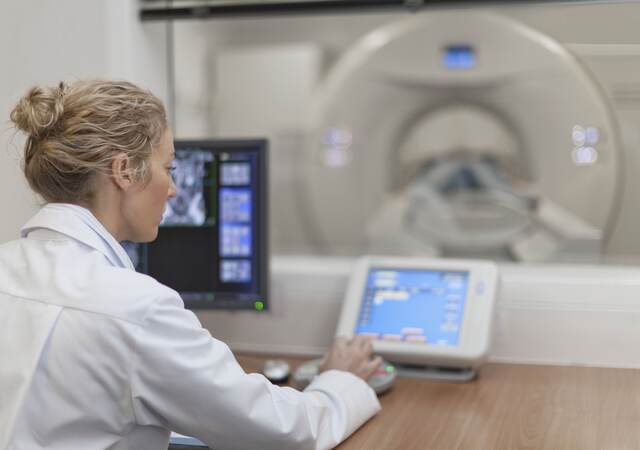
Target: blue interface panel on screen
<point>211,245</point>
<point>394,299</point>
<point>431,312</point>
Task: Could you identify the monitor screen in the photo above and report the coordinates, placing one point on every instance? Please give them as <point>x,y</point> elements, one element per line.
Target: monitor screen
<point>413,305</point>
<point>212,242</point>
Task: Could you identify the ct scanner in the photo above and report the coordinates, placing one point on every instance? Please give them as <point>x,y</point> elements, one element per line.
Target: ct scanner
<point>461,133</point>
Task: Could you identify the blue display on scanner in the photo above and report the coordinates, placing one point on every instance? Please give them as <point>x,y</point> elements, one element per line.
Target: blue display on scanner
<point>459,57</point>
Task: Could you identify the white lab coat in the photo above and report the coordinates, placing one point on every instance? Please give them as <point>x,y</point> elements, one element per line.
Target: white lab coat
<point>97,356</point>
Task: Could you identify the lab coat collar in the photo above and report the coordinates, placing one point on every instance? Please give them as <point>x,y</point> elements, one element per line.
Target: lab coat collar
<point>80,224</point>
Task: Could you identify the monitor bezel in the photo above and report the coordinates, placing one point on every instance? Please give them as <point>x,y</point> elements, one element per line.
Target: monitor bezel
<point>475,330</point>
<point>224,300</point>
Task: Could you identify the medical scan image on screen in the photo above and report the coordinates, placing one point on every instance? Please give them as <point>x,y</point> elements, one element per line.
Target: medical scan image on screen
<point>421,306</point>
<point>190,177</point>
<point>206,247</point>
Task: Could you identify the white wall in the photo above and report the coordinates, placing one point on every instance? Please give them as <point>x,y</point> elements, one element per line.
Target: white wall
<point>43,42</point>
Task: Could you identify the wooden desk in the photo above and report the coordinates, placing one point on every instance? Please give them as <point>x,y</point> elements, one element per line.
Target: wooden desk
<point>509,406</point>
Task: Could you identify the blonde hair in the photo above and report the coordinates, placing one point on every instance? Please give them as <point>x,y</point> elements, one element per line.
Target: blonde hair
<point>75,131</point>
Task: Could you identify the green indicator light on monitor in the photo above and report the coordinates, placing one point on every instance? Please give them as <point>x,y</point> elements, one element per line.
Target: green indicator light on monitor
<point>259,305</point>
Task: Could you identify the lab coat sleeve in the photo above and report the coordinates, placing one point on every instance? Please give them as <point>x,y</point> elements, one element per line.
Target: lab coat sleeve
<point>184,380</point>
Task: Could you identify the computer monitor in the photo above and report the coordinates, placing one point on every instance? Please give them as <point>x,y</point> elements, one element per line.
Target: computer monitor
<point>212,242</point>
<point>420,311</point>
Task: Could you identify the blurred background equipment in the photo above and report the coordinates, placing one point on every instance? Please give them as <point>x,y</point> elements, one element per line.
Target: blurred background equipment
<point>497,133</point>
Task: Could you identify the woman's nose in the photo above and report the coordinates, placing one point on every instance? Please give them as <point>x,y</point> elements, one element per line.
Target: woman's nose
<point>172,190</point>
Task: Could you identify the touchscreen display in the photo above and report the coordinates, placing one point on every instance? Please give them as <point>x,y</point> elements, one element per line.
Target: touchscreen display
<point>421,306</point>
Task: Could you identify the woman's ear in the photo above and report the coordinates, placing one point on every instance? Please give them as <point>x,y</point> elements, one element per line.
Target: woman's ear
<point>120,171</point>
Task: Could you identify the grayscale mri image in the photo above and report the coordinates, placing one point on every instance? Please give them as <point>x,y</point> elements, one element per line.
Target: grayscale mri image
<point>188,207</point>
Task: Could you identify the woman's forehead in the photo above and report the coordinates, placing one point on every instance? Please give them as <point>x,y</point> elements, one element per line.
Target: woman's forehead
<point>165,149</point>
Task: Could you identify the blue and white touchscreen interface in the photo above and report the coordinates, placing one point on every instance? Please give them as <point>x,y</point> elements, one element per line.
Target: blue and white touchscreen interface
<point>421,306</point>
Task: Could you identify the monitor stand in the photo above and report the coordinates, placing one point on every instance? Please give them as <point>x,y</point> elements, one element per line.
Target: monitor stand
<point>437,373</point>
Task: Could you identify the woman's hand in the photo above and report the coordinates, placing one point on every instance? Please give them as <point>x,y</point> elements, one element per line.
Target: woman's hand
<point>352,355</point>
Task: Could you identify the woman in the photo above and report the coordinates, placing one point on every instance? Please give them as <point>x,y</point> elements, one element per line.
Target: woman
<point>97,356</point>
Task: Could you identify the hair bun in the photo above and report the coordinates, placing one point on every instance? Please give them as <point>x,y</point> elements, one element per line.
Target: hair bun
<point>39,111</point>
